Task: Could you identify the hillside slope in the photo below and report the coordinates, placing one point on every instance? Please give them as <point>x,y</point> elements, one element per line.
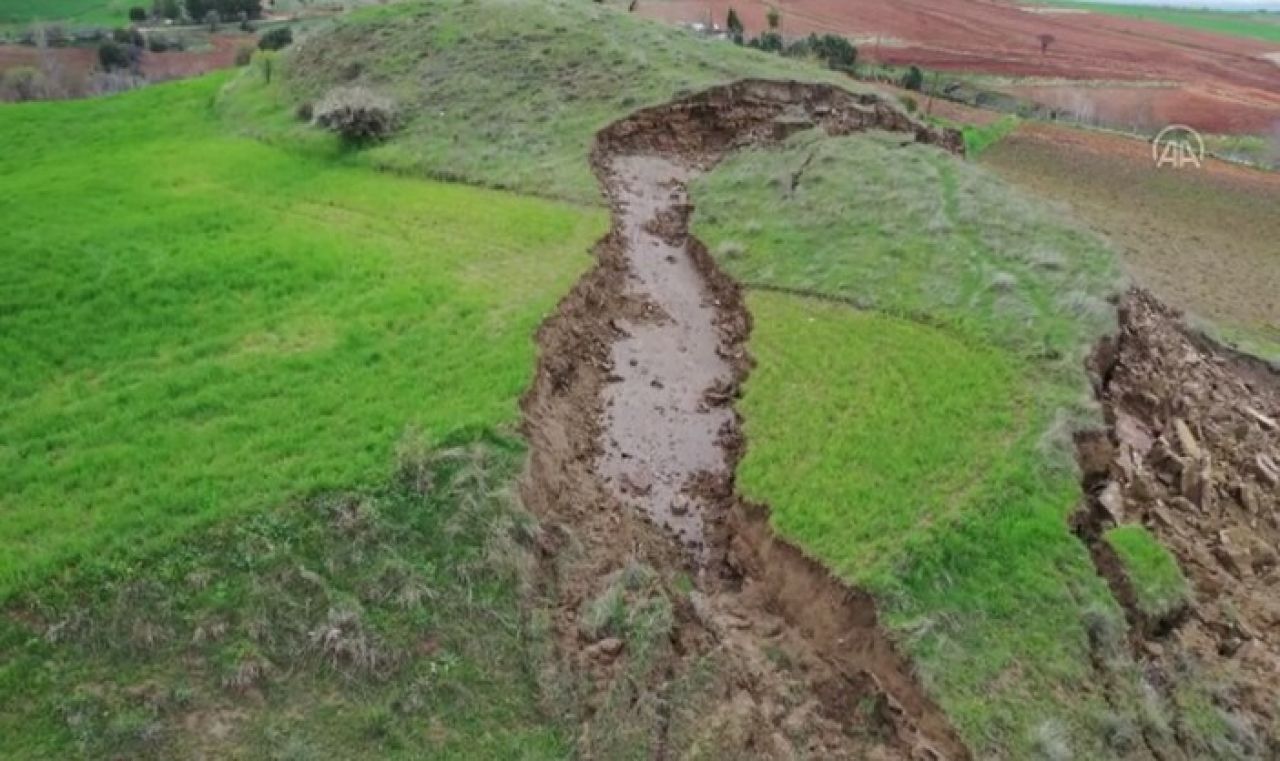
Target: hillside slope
<point>500,92</point>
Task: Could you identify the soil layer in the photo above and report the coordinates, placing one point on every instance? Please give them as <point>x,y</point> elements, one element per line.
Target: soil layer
<point>633,443</point>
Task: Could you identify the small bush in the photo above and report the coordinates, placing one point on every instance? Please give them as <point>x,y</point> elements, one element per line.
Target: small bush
<point>276,39</point>
<point>137,14</point>
<point>357,114</point>
<point>913,79</point>
<point>112,55</point>
<point>909,103</point>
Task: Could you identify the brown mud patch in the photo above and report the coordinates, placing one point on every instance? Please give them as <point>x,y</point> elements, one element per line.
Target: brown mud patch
<point>1192,452</point>
<point>633,444</point>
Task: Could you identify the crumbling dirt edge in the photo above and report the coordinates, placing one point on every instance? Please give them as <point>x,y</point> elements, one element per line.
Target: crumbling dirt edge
<point>1203,493</point>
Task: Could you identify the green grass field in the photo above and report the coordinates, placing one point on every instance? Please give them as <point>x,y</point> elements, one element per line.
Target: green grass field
<point>205,336</point>
<point>502,93</point>
<point>1258,25</point>
<point>198,325</point>
<point>942,481</point>
<point>73,12</point>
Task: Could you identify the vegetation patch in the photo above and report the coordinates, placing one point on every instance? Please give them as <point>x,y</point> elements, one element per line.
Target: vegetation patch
<point>978,138</point>
<point>496,92</point>
<point>198,325</point>
<point>1159,588</point>
<point>376,622</point>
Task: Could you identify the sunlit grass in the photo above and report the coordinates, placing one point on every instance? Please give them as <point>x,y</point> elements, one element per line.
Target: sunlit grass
<point>1157,582</point>
<point>196,325</point>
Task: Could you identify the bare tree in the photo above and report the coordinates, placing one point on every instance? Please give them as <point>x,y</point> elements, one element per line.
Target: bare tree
<point>1045,41</point>
<point>50,67</point>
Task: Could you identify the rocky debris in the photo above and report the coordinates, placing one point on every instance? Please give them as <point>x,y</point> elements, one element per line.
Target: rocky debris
<point>604,651</point>
<point>1195,448</point>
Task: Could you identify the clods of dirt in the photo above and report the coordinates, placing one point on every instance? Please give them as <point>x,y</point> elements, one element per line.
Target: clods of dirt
<point>1191,452</point>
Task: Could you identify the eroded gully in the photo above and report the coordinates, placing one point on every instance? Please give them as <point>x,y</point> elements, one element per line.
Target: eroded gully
<point>633,443</point>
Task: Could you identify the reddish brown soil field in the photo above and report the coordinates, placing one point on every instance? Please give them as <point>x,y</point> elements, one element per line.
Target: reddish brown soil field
<point>1203,239</point>
<point>79,62</point>
<point>1222,84</point>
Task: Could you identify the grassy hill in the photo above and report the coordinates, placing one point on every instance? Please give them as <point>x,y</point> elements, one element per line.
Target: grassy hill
<point>501,93</point>
<point>74,12</point>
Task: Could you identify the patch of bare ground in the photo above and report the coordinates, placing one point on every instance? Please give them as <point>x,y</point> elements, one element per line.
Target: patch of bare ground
<point>1192,452</point>
<point>1201,239</point>
<point>689,629</point>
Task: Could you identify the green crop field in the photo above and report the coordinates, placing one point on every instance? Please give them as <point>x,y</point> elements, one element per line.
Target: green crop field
<point>74,12</point>
<point>198,325</point>
<point>1256,24</point>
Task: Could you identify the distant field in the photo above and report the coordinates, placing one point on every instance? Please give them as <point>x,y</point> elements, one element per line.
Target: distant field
<point>86,12</point>
<point>1204,240</point>
<point>1256,24</point>
<point>197,325</point>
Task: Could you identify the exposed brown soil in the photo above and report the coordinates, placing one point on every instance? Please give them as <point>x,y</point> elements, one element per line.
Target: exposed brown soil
<point>1192,452</point>
<point>633,445</point>
<point>1220,83</point>
<point>78,62</point>
<point>1203,240</point>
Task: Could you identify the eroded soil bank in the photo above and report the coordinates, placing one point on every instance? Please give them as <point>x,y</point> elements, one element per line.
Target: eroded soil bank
<point>1192,452</point>
<point>689,627</point>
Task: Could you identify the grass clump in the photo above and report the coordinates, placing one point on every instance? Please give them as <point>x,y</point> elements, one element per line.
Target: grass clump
<point>1160,590</point>
<point>944,477</point>
<point>497,92</point>
<point>379,622</point>
<point>198,325</point>
<point>979,138</point>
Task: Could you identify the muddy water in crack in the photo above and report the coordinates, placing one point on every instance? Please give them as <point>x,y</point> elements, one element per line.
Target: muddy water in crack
<point>659,431</point>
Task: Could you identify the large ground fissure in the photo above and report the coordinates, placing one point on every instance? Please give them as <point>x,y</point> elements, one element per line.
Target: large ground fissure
<point>633,443</point>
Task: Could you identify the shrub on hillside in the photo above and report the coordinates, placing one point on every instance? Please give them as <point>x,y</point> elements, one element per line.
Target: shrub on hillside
<point>276,39</point>
<point>769,42</point>
<point>170,9</point>
<point>913,79</point>
<point>358,114</point>
<point>226,9</point>
<point>112,55</point>
<point>832,49</point>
